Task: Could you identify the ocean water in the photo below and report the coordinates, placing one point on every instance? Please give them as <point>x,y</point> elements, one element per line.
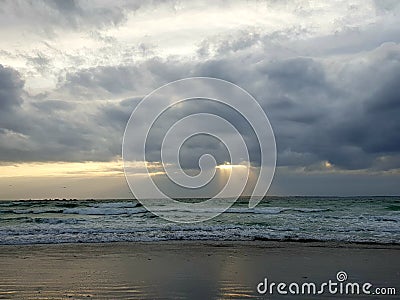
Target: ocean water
<point>349,219</point>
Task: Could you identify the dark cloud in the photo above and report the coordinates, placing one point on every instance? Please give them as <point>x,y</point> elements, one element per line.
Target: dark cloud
<point>318,113</point>
<point>50,106</point>
<point>115,115</point>
<point>333,98</point>
<point>111,81</point>
<point>297,74</point>
<point>195,147</point>
<point>372,130</point>
<point>46,16</point>
<point>11,88</point>
<point>39,129</point>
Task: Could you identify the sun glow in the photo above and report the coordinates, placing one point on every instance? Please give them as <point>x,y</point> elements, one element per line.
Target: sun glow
<point>228,166</point>
<point>62,169</point>
<point>224,167</point>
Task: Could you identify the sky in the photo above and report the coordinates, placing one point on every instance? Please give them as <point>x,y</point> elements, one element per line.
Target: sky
<point>326,73</point>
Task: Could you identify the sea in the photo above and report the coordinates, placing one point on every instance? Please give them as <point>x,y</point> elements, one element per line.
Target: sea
<point>335,219</point>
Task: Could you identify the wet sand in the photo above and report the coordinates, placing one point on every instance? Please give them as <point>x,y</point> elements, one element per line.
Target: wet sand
<point>188,270</point>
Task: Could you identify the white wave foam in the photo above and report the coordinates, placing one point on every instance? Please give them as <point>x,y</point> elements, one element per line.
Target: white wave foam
<point>104,210</point>
<point>115,205</point>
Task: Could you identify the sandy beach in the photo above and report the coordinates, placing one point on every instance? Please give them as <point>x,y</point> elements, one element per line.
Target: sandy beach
<point>187,270</point>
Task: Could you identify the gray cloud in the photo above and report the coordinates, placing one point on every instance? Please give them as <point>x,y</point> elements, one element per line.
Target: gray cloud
<point>11,88</point>
<point>315,118</point>
<point>37,129</point>
<point>114,81</point>
<point>46,16</point>
<point>331,98</point>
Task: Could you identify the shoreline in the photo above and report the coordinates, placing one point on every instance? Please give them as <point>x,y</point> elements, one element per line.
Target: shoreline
<point>186,269</point>
<point>266,243</point>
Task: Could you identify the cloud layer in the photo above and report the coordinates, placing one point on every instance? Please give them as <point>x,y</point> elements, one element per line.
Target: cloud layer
<point>331,92</point>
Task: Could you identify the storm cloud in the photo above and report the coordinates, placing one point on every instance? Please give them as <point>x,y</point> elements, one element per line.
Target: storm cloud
<point>331,93</point>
